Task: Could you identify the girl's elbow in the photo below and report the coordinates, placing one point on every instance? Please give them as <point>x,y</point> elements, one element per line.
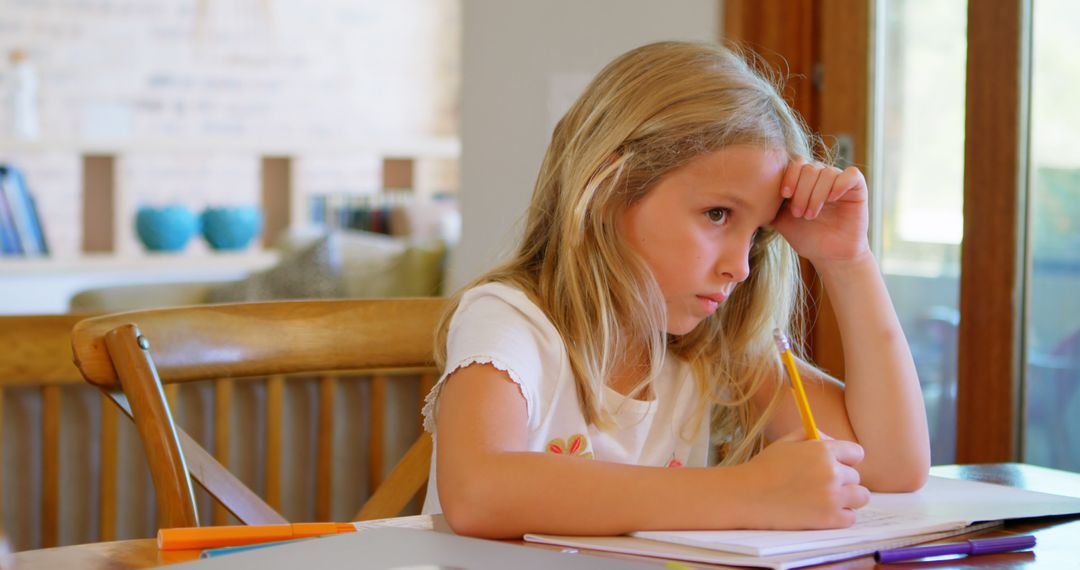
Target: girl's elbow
<point>906,478</point>
<point>468,510</point>
<point>918,471</point>
<point>464,522</point>
<point>909,481</point>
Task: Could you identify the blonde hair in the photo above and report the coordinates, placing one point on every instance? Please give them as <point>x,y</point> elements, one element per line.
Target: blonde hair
<point>648,112</point>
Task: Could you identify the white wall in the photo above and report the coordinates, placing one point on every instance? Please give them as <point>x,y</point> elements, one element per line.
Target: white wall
<point>523,63</point>
<point>189,94</point>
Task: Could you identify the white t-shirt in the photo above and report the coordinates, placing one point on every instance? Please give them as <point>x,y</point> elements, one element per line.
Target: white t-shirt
<point>497,324</point>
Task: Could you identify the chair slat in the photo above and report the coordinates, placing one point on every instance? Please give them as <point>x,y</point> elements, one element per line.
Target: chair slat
<point>324,451</point>
<point>408,476</point>
<point>223,393</point>
<point>143,389</point>
<point>377,438</point>
<point>50,466</point>
<point>219,483</point>
<point>240,500</point>
<point>172,396</point>
<point>275,405</point>
<point>107,462</point>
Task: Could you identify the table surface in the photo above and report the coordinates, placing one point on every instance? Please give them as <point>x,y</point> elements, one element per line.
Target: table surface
<point>1058,537</point>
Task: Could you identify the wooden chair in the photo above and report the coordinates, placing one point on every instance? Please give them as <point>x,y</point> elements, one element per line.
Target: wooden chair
<point>36,355</point>
<point>131,355</point>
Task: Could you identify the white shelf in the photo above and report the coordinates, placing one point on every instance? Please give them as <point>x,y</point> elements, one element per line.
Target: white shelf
<point>253,260</point>
<point>45,285</point>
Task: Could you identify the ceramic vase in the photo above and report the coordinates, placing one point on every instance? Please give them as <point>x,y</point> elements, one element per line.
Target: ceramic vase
<point>231,227</point>
<point>166,228</point>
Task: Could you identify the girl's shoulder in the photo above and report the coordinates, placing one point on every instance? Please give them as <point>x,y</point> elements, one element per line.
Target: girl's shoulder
<point>509,294</point>
<point>504,302</point>
<point>502,318</point>
<point>498,324</point>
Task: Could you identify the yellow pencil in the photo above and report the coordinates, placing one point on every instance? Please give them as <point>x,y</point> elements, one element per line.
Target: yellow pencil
<point>796,384</point>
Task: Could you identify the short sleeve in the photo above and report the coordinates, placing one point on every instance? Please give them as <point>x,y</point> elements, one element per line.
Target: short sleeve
<point>499,325</point>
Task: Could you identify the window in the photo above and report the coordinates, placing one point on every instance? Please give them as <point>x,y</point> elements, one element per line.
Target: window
<point>919,182</point>
<point>1051,434</point>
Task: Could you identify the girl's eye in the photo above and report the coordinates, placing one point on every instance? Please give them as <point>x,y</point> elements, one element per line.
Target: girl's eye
<point>718,216</point>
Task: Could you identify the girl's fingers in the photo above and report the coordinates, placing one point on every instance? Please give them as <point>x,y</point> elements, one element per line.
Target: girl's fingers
<point>808,177</point>
<point>849,179</point>
<point>791,177</point>
<point>808,186</point>
<point>856,497</point>
<point>846,452</point>
<point>821,191</point>
<point>847,475</point>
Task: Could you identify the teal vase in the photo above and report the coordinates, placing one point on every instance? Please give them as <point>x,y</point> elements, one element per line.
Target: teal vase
<point>232,227</point>
<point>165,229</point>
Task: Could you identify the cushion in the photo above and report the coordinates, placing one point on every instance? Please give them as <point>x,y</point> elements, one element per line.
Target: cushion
<point>377,265</point>
<point>313,272</point>
<point>113,298</point>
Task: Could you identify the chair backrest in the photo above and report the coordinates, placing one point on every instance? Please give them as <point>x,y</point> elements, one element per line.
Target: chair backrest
<point>131,355</point>
<point>35,356</point>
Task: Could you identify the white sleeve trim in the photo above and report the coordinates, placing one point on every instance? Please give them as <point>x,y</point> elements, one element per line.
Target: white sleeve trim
<point>430,401</point>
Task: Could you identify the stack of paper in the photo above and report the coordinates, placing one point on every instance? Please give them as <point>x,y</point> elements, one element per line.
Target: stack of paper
<point>944,507</point>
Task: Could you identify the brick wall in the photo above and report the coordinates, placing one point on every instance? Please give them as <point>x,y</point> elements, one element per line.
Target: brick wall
<point>189,94</point>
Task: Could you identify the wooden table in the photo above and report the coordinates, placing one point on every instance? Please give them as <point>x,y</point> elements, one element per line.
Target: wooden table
<point>1058,537</point>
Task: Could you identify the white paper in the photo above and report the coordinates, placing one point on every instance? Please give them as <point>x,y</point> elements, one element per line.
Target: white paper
<point>643,547</point>
<point>871,525</point>
<point>941,505</point>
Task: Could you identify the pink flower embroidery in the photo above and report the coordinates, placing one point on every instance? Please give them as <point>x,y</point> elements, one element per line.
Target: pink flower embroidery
<point>674,462</point>
<point>574,445</point>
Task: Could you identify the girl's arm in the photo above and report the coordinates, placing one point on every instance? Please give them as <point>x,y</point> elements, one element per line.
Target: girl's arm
<point>880,405</point>
<point>490,486</point>
<point>883,398</point>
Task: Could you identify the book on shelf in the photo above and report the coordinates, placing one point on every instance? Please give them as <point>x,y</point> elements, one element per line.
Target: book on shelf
<point>21,232</point>
<point>943,508</point>
<point>366,212</point>
<point>9,238</point>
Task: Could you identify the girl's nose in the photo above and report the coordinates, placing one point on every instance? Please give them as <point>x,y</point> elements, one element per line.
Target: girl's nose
<point>734,262</point>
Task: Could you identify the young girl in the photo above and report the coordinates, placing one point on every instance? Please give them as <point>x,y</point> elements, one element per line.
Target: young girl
<point>584,377</point>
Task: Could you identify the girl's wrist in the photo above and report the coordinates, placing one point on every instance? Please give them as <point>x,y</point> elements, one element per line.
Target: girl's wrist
<point>847,267</point>
<point>748,478</point>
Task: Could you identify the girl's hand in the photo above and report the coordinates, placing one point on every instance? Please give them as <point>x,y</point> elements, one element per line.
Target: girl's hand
<point>802,484</point>
<point>825,218</point>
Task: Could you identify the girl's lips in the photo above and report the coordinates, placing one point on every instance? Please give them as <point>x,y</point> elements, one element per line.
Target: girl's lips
<point>718,297</point>
<point>711,302</point>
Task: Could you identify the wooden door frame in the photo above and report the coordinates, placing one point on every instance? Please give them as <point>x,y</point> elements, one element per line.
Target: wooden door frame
<point>992,272</point>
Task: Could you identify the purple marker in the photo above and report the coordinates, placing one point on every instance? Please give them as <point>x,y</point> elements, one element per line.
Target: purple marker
<point>969,547</point>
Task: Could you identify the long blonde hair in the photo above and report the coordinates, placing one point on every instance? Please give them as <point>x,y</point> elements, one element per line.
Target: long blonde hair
<point>648,112</point>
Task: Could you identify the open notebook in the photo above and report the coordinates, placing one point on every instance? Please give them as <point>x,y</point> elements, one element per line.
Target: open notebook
<point>944,507</point>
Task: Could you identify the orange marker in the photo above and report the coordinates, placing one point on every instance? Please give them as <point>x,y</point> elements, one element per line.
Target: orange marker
<point>197,537</point>
<point>796,385</point>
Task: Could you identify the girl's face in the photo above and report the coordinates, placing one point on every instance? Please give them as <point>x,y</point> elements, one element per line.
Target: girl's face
<point>694,229</point>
